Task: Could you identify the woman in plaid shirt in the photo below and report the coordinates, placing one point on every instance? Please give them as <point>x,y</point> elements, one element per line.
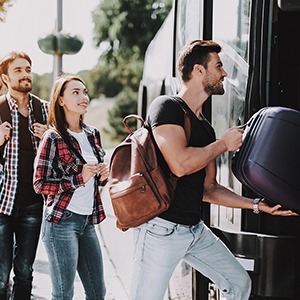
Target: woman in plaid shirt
<point>68,171</point>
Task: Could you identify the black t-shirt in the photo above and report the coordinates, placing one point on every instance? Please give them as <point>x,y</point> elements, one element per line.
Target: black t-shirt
<point>25,193</point>
<point>186,206</point>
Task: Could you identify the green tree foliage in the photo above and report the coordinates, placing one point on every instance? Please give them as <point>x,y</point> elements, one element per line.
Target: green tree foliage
<point>125,105</point>
<point>128,25</point>
<point>42,85</point>
<point>123,30</point>
<point>87,76</point>
<point>102,80</point>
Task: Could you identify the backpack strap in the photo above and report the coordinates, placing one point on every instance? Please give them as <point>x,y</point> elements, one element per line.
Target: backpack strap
<point>4,110</point>
<point>187,124</point>
<point>4,116</point>
<point>187,120</point>
<point>37,109</point>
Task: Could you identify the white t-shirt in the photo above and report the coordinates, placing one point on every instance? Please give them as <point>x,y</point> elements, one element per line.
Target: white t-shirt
<point>83,198</point>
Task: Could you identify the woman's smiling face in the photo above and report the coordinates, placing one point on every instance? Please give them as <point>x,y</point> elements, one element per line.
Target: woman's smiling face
<point>75,98</point>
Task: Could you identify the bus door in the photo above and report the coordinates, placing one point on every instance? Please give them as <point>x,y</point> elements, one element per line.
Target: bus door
<point>261,57</point>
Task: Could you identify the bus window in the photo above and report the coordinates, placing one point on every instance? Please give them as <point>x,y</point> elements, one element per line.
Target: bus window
<point>231,24</point>
<point>189,24</point>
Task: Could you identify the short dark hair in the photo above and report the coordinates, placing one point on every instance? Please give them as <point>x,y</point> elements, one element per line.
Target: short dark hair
<point>196,52</point>
<point>10,57</point>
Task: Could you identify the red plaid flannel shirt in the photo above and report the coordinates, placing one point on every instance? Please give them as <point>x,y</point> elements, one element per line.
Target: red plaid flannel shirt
<point>58,173</point>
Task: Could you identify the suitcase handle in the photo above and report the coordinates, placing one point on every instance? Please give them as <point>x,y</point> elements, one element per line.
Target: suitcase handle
<point>248,123</point>
<point>243,126</point>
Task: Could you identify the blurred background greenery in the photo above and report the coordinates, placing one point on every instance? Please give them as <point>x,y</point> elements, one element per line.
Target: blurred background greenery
<point>124,28</point>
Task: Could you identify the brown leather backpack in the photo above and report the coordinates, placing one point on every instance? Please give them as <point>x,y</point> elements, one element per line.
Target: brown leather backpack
<point>138,187</point>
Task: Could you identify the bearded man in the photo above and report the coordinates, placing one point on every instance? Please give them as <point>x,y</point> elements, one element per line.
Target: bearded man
<point>20,207</point>
<point>179,233</point>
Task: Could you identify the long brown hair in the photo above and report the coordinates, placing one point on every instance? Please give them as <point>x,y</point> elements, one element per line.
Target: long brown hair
<point>56,116</point>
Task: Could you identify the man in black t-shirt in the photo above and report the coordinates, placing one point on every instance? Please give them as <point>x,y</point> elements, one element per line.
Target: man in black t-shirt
<point>20,207</point>
<point>179,233</point>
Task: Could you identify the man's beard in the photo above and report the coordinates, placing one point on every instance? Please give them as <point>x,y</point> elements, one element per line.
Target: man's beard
<point>213,88</point>
<point>23,89</point>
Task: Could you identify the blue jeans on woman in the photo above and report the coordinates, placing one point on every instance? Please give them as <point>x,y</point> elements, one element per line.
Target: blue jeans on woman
<point>19,236</point>
<point>72,245</point>
<point>159,247</point>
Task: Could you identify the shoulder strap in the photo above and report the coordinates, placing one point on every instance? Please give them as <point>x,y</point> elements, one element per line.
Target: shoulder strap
<point>4,110</point>
<point>187,120</point>
<point>37,109</point>
<point>4,116</point>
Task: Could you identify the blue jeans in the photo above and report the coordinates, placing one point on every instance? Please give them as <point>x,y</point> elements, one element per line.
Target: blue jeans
<point>159,247</point>
<point>72,245</point>
<point>19,236</point>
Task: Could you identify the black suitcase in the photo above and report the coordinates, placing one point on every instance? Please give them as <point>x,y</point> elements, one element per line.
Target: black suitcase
<point>268,162</point>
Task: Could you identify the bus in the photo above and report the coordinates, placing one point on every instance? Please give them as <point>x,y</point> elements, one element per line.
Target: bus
<point>261,54</point>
